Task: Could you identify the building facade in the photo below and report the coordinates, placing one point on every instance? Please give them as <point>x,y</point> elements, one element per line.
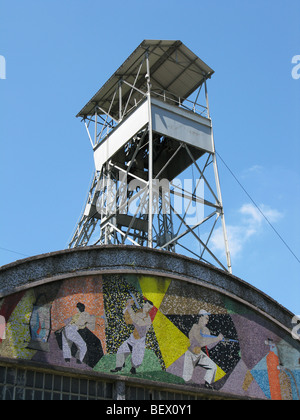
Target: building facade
<point>118,322</point>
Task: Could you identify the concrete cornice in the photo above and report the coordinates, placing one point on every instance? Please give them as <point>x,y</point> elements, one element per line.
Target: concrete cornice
<point>104,259</point>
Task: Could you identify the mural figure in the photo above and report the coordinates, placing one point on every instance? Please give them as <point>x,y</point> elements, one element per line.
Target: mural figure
<point>40,324</point>
<point>282,382</point>
<point>200,337</point>
<point>136,343</point>
<point>76,339</point>
<point>2,327</point>
<point>71,335</point>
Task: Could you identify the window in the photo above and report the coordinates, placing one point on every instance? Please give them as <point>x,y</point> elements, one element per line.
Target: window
<point>25,384</point>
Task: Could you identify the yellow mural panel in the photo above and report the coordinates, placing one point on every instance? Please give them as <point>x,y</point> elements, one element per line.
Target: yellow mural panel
<point>172,342</point>
<point>154,288</point>
<point>219,374</point>
<point>17,330</point>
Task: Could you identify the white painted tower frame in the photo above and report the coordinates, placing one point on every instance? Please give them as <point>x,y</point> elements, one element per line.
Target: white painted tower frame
<point>150,135</point>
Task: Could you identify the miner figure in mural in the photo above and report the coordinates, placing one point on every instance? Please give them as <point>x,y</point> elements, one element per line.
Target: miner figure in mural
<point>40,324</point>
<point>71,333</point>
<point>136,343</point>
<point>77,340</point>
<point>201,338</point>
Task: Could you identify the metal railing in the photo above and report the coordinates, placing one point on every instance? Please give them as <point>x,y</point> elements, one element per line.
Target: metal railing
<point>109,124</point>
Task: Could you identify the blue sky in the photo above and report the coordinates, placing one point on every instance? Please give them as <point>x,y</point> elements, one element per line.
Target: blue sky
<point>59,53</point>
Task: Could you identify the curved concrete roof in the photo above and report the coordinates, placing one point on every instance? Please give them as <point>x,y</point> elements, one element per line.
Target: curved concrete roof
<point>46,268</point>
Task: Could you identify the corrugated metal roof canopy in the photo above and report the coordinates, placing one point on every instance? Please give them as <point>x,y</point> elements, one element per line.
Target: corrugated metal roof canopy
<point>173,68</point>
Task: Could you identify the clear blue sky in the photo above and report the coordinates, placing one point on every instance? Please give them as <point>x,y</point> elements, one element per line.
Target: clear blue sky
<point>59,53</point>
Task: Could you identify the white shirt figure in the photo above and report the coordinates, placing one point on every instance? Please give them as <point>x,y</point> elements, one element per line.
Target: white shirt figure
<point>136,343</point>
<point>200,337</point>
<point>71,335</point>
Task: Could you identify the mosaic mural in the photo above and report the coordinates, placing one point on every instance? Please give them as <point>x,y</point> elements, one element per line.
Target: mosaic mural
<point>153,328</point>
